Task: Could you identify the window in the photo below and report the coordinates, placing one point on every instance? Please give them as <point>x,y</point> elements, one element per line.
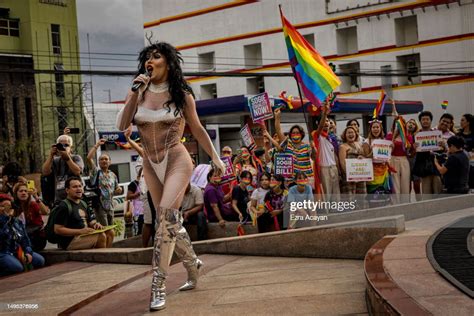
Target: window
<point>347,41</point>
<point>56,38</point>
<point>209,91</point>
<point>59,78</point>
<point>10,27</point>
<point>62,117</point>
<point>29,117</point>
<point>207,62</point>
<point>387,78</point>
<point>409,66</point>
<point>255,85</point>
<point>253,56</point>
<point>309,38</point>
<point>350,82</point>
<point>406,30</point>
<point>16,117</point>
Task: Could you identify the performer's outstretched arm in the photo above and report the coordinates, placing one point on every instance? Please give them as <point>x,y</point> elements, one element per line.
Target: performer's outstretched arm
<point>200,133</point>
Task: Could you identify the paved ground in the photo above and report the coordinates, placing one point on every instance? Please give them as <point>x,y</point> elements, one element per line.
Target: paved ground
<point>231,285</point>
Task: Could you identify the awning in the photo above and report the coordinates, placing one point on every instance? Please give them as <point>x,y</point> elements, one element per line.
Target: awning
<point>238,103</point>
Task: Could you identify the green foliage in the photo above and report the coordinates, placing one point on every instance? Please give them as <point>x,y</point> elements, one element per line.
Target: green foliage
<point>119,228</point>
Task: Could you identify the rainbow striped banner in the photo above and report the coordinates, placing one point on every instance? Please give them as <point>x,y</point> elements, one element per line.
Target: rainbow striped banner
<point>310,69</point>
<point>444,105</point>
<point>378,111</point>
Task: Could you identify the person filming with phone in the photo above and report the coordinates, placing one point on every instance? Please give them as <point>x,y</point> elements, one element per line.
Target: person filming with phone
<point>62,163</point>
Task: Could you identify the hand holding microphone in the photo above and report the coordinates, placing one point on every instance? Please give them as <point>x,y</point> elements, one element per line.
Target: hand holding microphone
<point>141,82</point>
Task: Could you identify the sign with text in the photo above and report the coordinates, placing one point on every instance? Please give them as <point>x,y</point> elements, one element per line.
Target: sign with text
<point>359,170</point>
<point>428,141</point>
<point>284,165</point>
<point>382,150</point>
<point>260,107</point>
<point>199,176</point>
<point>229,173</point>
<point>247,137</point>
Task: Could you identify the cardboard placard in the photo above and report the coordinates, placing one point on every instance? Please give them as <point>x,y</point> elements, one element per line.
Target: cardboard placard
<point>229,173</point>
<point>260,107</point>
<point>428,141</point>
<point>247,137</point>
<point>359,170</point>
<point>284,165</point>
<point>382,150</point>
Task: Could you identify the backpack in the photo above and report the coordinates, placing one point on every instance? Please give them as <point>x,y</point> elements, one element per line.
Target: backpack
<point>51,236</point>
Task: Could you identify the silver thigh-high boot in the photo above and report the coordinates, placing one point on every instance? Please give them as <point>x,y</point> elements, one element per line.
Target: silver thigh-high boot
<point>185,252</point>
<point>165,239</point>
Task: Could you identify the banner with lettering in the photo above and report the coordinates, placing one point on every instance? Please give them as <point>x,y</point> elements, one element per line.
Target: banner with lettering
<point>260,107</point>
<point>359,170</point>
<point>229,173</point>
<point>428,141</point>
<point>381,150</point>
<point>284,165</point>
<point>247,137</point>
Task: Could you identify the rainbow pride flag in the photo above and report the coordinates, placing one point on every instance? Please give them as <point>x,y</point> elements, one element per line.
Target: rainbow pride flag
<point>444,105</point>
<point>401,125</point>
<point>310,69</point>
<point>378,111</point>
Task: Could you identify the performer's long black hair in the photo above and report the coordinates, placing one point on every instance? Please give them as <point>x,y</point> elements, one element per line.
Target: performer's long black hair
<point>178,87</point>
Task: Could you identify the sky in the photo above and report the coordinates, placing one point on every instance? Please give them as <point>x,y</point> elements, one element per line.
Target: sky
<point>115,29</point>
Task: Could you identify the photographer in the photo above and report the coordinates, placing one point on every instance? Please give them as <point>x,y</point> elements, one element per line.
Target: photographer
<point>62,164</point>
<point>455,171</point>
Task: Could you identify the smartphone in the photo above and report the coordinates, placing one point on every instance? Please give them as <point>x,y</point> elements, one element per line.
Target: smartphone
<point>30,184</point>
<point>74,130</point>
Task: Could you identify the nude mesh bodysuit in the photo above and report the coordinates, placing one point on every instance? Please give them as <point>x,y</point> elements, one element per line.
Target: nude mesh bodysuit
<point>167,164</point>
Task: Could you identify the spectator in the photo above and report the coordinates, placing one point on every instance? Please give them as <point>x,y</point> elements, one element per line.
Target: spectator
<point>400,153</point>
<point>216,208</point>
<point>30,207</point>
<point>16,254</point>
<point>133,195</point>
<point>272,218</point>
<point>12,173</point>
<point>294,145</point>
<point>270,150</point>
<point>444,124</point>
<point>467,125</point>
<point>107,183</point>
<point>192,209</point>
<point>424,162</point>
<point>456,169</point>
<point>380,186</point>
<point>257,200</point>
<point>327,158</point>
<point>413,128</point>
<point>246,161</point>
<point>333,137</point>
<point>354,123</point>
<point>76,224</point>
<point>226,151</point>
<point>62,164</point>
<point>301,192</point>
<point>240,195</point>
<point>351,149</point>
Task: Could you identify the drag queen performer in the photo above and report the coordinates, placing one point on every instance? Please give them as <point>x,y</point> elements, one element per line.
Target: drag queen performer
<point>160,108</point>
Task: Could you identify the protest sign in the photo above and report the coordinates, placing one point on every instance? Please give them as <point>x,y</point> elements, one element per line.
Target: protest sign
<point>229,173</point>
<point>359,170</point>
<point>427,141</point>
<point>284,165</point>
<point>260,107</point>
<point>247,137</point>
<point>382,150</point>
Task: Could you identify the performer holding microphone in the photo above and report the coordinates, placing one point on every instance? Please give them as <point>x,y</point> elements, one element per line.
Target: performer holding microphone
<point>160,106</point>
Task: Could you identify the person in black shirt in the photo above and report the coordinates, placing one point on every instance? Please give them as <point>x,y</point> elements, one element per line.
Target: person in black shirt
<point>467,125</point>
<point>76,224</point>
<point>240,195</point>
<point>456,169</point>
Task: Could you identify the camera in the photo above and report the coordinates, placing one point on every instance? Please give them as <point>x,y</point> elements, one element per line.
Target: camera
<point>60,147</point>
<point>442,157</point>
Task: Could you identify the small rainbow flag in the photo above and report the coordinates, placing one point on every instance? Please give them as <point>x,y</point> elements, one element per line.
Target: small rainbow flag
<point>378,111</point>
<point>444,105</point>
<point>316,77</point>
<point>402,130</point>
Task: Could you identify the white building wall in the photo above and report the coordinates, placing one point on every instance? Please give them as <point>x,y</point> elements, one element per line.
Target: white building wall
<point>374,32</point>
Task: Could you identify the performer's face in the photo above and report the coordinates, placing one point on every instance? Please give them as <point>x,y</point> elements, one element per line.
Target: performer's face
<point>157,65</point>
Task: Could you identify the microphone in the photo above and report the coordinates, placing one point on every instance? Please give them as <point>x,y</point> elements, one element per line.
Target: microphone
<point>137,85</point>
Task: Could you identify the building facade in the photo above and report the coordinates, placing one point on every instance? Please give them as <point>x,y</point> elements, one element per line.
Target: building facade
<point>415,50</point>
<point>42,36</point>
